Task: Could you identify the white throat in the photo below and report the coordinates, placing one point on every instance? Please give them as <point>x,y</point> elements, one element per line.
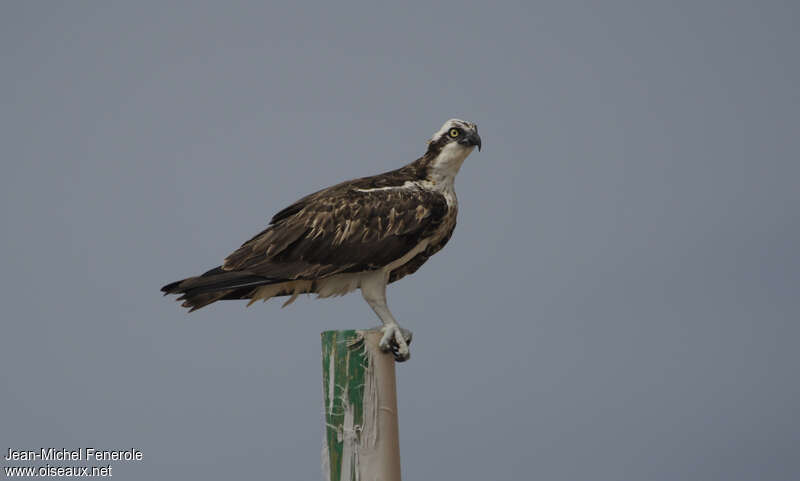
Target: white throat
<point>443,169</point>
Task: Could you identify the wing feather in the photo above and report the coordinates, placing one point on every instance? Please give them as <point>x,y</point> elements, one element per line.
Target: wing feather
<point>340,229</point>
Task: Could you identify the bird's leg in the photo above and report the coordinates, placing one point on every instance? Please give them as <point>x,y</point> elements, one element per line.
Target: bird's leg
<point>395,338</point>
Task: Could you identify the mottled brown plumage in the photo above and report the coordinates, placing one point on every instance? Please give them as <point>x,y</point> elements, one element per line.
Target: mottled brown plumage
<point>340,229</point>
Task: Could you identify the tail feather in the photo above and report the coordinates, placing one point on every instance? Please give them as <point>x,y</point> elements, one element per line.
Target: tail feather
<point>214,285</point>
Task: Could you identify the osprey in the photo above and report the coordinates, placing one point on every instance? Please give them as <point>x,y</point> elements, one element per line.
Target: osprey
<point>363,233</point>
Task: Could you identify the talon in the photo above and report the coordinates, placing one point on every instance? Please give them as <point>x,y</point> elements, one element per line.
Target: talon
<point>399,357</point>
<point>396,339</point>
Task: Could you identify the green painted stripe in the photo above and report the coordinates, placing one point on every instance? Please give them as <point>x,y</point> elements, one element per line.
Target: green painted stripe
<point>345,360</point>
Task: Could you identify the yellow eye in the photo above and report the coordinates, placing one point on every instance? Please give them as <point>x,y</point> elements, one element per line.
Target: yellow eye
<point>454,133</point>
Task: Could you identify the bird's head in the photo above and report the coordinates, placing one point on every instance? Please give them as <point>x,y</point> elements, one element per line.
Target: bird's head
<point>448,148</point>
<point>458,132</point>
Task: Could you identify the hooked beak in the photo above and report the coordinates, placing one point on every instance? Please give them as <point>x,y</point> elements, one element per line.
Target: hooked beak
<point>472,140</point>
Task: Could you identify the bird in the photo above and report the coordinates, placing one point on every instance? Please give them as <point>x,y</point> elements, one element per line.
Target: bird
<point>362,234</point>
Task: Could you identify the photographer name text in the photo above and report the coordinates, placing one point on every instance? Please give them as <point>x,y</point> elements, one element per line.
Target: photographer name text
<point>80,454</point>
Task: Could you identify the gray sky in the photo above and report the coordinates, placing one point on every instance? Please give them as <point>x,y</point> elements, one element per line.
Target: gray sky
<point>619,300</point>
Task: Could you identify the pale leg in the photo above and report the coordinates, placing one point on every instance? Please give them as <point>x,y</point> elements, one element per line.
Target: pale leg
<point>395,338</point>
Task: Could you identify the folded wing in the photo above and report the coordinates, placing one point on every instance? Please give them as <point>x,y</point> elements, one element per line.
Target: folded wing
<point>340,230</point>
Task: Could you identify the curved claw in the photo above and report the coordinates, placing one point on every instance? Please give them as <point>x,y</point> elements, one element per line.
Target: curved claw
<point>396,339</point>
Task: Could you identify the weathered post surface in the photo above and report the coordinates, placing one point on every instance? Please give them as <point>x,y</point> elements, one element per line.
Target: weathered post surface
<point>361,442</point>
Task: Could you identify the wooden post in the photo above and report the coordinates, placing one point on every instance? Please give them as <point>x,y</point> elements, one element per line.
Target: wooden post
<point>358,380</point>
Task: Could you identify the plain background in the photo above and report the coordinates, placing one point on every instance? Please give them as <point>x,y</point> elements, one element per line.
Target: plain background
<point>619,300</point>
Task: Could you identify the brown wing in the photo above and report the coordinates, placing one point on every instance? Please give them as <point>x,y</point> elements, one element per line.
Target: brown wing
<point>340,229</point>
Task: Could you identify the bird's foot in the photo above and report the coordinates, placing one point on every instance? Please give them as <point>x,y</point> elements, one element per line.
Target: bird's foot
<point>397,340</point>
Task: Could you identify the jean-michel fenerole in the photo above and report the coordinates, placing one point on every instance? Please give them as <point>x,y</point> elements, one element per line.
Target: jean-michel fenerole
<point>80,454</point>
